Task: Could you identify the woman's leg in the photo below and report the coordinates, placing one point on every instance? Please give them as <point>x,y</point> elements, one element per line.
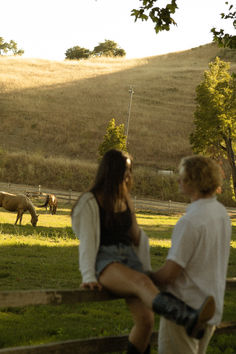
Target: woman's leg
<point>143,324</point>
<point>125,281</point>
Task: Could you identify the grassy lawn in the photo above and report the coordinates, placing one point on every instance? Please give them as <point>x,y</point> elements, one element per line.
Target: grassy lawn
<point>46,257</point>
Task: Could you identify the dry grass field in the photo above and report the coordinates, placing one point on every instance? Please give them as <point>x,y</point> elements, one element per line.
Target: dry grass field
<point>54,115</point>
<point>61,109</point>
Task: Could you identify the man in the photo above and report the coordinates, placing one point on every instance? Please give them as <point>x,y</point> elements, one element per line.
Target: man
<point>196,265</point>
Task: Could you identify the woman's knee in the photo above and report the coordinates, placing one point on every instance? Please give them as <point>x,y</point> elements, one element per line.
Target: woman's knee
<point>142,280</point>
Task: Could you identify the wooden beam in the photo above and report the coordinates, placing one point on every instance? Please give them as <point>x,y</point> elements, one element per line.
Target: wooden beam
<point>57,297</point>
<point>52,297</point>
<point>226,327</point>
<point>81,346</point>
<point>96,345</point>
<point>231,283</point>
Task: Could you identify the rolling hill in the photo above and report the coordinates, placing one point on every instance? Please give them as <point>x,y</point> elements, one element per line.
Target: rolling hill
<point>61,109</point>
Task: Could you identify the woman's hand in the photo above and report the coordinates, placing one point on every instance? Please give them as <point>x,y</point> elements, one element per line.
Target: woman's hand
<point>92,286</point>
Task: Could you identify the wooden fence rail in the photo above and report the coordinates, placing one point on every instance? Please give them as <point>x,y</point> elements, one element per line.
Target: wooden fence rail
<point>82,346</point>
<point>70,196</point>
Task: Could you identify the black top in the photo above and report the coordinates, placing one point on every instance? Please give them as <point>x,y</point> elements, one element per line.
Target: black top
<point>117,231</point>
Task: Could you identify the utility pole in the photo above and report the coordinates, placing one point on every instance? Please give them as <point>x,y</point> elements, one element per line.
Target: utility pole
<point>131,92</point>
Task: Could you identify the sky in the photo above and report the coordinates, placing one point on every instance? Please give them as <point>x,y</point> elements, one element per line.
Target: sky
<point>47,28</point>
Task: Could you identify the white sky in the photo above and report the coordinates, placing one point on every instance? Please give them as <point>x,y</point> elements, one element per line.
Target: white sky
<point>47,28</point>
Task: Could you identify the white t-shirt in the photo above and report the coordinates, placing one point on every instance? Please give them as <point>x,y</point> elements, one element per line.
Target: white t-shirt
<point>201,245</point>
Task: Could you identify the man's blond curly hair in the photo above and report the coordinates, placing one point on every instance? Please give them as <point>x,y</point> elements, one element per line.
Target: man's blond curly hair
<point>201,173</point>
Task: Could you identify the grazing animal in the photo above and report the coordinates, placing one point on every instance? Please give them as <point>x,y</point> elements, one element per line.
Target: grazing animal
<point>19,203</point>
<point>51,201</point>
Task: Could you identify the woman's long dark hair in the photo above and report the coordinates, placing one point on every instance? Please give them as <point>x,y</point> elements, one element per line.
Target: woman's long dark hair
<point>109,179</point>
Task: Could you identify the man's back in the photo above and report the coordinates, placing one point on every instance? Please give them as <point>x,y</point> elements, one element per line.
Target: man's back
<point>201,245</point>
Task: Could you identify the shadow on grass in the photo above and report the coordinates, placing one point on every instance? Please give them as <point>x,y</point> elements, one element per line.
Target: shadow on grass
<point>145,214</point>
<point>47,212</point>
<point>41,211</point>
<point>47,232</point>
<point>51,266</point>
<point>158,232</point>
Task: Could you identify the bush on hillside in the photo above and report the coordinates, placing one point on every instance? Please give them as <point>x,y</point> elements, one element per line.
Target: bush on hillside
<point>114,138</point>
<point>59,173</point>
<point>77,53</point>
<point>107,48</point>
<point>9,48</point>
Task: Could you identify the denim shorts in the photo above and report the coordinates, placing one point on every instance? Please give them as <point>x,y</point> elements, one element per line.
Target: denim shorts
<point>117,253</point>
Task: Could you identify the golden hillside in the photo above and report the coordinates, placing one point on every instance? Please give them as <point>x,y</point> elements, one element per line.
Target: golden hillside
<point>61,109</point>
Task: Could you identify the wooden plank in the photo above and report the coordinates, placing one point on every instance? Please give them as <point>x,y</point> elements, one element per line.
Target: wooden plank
<point>226,327</point>
<point>81,346</point>
<point>91,345</point>
<point>57,297</point>
<point>53,297</point>
<point>96,345</point>
<point>231,284</point>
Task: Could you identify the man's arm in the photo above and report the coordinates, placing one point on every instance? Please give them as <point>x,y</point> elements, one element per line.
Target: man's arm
<point>166,274</point>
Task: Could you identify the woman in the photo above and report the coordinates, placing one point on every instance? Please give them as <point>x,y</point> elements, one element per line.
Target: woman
<point>114,253</point>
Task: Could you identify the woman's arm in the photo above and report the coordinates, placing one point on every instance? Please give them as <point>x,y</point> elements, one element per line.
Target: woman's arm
<point>85,225</point>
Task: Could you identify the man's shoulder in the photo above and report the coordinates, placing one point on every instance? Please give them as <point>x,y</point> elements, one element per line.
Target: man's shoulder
<point>204,209</point>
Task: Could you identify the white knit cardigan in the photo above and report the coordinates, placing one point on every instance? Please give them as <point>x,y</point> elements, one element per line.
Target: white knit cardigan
<point>86,226</point>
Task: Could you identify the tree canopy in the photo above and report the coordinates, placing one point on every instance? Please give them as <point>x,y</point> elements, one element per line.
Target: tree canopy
<point>77,53</point>
<point>162,17</point>
<point>215,115</point>
<point>6,47</point>
<point>225,39</point>
<point>107,48</point>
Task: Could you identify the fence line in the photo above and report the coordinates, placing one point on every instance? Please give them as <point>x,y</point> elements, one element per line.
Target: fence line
<point>37,191</point>
<point>71,196</point>
<point>92,345</point>
<point>169,207</point>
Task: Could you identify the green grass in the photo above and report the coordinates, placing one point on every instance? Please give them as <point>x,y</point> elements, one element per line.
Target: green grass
<point>47,257</point>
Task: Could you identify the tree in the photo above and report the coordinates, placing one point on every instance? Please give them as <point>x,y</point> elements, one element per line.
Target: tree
<point>215,115</point>
<point>114,138</point>
<point>77,53</point>
<point>5,47</point>
<point>224,39</point>
<point>12,46</point>
<point>108,49</point>
<point>162,17</point>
